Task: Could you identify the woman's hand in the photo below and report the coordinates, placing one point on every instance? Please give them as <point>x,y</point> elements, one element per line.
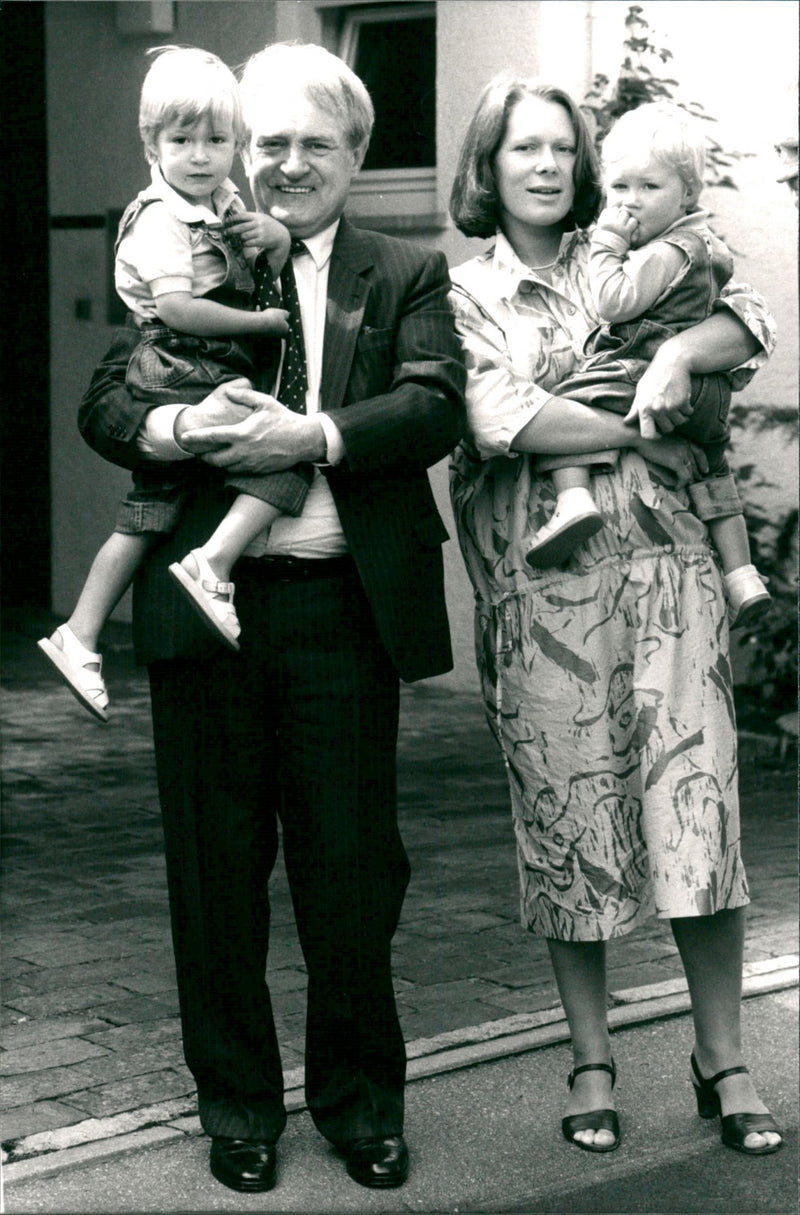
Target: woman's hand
<point>685,461</point>
<point>663,395</point>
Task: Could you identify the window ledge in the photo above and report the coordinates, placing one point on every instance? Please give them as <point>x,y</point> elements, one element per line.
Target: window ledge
<point>396,200</point>
<point>401,225</point>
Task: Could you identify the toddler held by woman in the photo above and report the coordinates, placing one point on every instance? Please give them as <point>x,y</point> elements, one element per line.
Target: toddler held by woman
<point>655,268</point>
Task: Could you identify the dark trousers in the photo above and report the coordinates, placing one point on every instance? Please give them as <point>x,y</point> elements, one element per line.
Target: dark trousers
<point>301,728</point>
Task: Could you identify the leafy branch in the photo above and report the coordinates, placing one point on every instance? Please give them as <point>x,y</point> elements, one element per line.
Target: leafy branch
<point>638,83</point>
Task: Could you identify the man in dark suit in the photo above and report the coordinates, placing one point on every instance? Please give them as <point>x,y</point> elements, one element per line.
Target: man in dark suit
<point>301,725</point>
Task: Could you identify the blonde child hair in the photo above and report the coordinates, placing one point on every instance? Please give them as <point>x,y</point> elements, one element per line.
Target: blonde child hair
<point>183,85</point>
<point>664,131</point>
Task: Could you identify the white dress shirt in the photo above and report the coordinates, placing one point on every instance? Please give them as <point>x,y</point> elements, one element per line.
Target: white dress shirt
<point>316,532</point>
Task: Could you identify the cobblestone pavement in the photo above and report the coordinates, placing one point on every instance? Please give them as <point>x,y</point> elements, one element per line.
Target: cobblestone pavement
<point>89,1005</point>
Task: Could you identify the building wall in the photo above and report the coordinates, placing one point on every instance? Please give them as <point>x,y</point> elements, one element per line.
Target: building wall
<point>93,79</point>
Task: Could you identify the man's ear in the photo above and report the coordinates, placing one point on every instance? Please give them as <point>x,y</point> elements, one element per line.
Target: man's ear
<point>359,153</point>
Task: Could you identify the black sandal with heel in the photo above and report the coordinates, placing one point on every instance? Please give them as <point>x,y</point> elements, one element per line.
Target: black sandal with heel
<point>594,1120</point>
<point>735,1127</point>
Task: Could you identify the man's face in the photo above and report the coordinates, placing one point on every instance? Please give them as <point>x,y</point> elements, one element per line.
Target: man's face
<point>299,162</point>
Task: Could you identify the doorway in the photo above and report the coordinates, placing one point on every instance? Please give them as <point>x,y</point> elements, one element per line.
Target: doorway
<point>25,327</point>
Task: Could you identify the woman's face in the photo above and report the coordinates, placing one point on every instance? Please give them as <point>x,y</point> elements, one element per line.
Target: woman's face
<point>534,166</point>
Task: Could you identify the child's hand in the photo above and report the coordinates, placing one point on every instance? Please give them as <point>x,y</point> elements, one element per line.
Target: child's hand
<point>274,321</point>
<point>619,221</point>
<point>259,232</point>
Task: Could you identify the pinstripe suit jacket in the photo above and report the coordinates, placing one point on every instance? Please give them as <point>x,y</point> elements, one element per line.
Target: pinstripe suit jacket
<point>393,381</point>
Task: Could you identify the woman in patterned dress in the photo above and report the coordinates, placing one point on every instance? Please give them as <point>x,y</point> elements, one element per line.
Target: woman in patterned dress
<point>606,682</point>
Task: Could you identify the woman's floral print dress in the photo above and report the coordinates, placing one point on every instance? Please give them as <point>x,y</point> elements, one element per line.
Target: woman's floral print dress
<point>606,682</point>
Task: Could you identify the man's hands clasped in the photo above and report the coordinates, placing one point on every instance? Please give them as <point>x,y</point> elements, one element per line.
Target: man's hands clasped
<point>248,432</point>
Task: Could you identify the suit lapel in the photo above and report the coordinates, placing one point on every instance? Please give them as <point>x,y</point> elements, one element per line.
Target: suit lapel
<point>347,298</point>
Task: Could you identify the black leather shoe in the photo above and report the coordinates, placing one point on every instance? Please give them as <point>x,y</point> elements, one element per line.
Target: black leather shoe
<point>243,1164</point>
<point>380,1164</point>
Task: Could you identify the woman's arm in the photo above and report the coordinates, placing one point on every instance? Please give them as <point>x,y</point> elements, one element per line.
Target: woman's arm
<point>500,399</point>
<point>565,427</point>
<point>738,337</point>
<point>508,413</point>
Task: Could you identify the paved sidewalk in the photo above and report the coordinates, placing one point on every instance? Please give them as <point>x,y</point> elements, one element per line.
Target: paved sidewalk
<point>91,1040</point>
<point>487,1139</point>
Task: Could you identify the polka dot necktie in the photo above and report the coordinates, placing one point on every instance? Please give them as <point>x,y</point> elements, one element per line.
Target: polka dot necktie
<point>294,382</point>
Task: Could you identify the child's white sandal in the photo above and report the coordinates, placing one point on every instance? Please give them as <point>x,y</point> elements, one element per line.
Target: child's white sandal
<point>74,664</point>
<point>210,598</point>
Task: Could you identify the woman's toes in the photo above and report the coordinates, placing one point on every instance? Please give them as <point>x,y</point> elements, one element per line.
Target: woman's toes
<point>757,1139</point>
<point>603,1138</point>
<point>599,1138</point>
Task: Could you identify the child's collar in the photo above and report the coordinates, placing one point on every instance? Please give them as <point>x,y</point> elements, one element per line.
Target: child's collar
<point>191,212</point>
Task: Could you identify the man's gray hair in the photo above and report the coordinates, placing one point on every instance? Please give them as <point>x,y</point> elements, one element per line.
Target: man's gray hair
<point>326,80</point>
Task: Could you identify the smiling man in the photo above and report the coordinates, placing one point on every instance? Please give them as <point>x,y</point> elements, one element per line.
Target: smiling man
<point>335,605</point>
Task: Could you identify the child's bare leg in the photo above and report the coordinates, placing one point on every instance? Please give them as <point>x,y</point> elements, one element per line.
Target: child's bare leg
<point>575,518</point>
<point>245,520</point>
<point>570,478</point>
<point>204,573</point>
<point>72,646</point>
<point>747,594</point>
<point>731,541</point>
<point>110,576</point>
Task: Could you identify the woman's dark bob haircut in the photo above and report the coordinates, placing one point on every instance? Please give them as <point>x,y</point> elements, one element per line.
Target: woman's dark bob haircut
<point>474,201</point>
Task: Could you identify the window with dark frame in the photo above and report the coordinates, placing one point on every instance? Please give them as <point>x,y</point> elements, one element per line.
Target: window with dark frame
<point>392,47</point>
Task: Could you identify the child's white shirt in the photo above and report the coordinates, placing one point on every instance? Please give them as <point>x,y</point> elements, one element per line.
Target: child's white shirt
<point>167,248</point>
